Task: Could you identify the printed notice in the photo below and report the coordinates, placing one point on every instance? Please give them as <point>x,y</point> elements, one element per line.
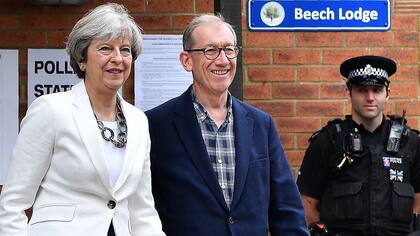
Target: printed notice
<point>49,71</point>
<point>159,76</point>
<point>9,104</point>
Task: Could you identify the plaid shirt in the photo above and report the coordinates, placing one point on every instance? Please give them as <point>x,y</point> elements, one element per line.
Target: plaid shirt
<point>220,144</point>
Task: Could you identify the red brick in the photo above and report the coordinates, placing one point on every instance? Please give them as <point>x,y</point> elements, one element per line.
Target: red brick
<point>294,157</point>
<point>287,140</point>
<point>297,56</point>
<point>128,89</point>
<point>348,107</point>
<point>400,55</point>
<point>404,22</point>
<point>369,39</point>
<point>169,6</point>
<point>256,91</point>
<point>181,22</point>
<point>204,6</point>
<point>136,6</point>
<point>406,73</point>
<point>317,73</point>
<point>23,57</point>
<point>23,7</point>
<point>320,39</point>
<point>22,108</point>
<point>295,90</point>
<point>23,81</point>
<point>262,73</point>
<point>17,7</point>
<point>411,107</point>
<point>256,56</point>
<point>9,22</point>
<point>404,90</point>
<point>406,39</point>
<point>269,39</point>
<point>153,22</point>
<point>319,108</point>
<point>57,39</point>
<point>333,91</point>
<point>244,6</point>
<point>25,39</point>
<point>63,22</point>
<point>406,7</point>
<point>390,107</point>
<point>413,122</point>
<point>337,56</point>
<point>275,108</point>
<point>303,140</point>
<point>298,124</point>
<point>244,27</point>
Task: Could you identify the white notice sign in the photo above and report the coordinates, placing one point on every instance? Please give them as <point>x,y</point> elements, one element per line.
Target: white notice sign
<point>159,75</point>
<point>9,104</point>
<point>49,71</point>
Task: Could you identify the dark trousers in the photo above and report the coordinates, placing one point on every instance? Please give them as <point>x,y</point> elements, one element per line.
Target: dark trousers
<point>111,231</point>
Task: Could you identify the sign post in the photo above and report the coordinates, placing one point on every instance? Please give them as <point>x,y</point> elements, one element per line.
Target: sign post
<point>9,107</point>
<point>319,15</point>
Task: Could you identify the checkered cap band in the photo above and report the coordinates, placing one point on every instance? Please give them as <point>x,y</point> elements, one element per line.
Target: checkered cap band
<point>368,71</point>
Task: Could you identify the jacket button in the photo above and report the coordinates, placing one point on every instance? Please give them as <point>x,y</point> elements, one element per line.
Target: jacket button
<point>231,220</point>
<point>111,204</point>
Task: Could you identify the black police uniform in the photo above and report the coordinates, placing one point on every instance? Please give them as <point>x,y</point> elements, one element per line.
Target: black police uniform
<point>373,195</point>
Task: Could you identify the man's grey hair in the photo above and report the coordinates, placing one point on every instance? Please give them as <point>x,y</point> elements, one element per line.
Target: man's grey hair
<point>188,40</point>
<point>106,22</point>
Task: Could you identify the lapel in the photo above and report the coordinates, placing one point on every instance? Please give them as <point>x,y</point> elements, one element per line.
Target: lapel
<point>134,132</point>
<point>244,133</point>
<point>189,132</point>
<point>88,128</point>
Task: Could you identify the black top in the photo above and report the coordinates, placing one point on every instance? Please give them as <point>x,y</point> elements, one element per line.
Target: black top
<point>317,164</point>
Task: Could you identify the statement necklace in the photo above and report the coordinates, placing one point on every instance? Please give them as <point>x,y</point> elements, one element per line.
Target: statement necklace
<point>108,134</point>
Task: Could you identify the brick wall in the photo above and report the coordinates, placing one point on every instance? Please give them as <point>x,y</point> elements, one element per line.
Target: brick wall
<point>295,76</point>
<point>23,26</point>
<point>292,76</point>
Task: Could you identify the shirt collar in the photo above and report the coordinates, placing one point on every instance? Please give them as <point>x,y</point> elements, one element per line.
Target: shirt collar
<point>201,112</point>
<point>362,129</point>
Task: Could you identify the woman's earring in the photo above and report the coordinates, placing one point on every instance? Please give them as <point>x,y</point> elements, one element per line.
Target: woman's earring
<point>82,67</point>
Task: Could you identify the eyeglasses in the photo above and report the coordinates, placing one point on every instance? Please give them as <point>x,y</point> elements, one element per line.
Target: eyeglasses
<point>213,52</point>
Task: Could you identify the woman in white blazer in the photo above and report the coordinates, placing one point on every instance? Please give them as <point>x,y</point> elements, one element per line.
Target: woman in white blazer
<point>82,157</point>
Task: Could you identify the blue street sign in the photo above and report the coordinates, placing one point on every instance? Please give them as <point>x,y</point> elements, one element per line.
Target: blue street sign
<point>319,15</point>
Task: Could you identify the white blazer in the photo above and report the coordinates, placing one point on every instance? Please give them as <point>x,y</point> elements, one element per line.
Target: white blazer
<point>58,167</point>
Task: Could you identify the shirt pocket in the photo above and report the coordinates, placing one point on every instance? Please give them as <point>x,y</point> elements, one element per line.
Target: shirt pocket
<point>402,202</point>
<point>345,201</point>
<point>53,212</point>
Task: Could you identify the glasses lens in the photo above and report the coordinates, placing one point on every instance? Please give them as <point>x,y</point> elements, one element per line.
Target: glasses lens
<point>231,51</point>
<point>211,52</point>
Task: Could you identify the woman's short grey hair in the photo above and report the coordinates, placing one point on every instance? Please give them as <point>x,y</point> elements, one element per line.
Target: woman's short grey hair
<point>106,22</point>
<point>188,40</point>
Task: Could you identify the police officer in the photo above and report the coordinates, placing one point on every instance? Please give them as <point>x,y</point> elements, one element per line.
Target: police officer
<point>361,175</point>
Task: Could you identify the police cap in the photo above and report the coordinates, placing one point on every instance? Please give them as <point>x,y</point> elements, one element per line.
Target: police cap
<point>368,70</point>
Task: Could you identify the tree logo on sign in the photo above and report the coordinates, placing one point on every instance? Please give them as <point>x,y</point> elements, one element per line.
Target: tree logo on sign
<point>272,14</point>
